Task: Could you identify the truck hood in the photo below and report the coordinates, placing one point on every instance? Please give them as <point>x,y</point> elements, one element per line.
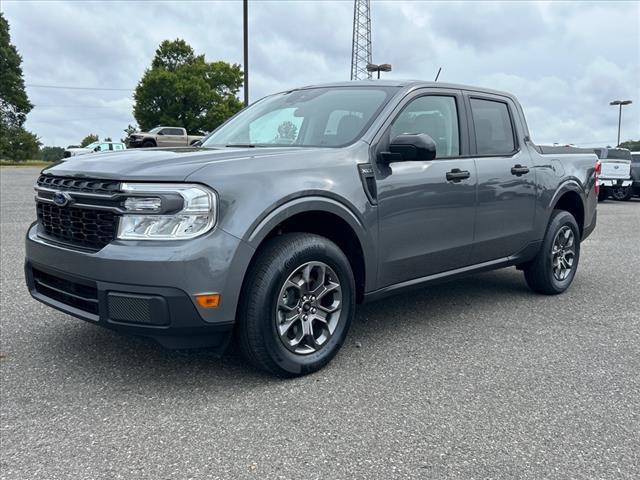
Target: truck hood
<point>161,164</point>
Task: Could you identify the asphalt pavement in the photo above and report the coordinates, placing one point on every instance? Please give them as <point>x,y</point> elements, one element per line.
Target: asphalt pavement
<point>478,378</point>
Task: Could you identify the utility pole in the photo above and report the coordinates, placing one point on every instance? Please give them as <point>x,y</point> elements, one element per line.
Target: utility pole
<point>620,103</point>
<point>245,27</point>
<point>361,43</point>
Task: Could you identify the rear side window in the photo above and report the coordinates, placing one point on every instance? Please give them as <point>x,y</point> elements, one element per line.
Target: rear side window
<point>494,131</point>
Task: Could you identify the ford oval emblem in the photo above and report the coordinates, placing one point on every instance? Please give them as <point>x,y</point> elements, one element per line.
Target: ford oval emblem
<point>61,199</point>
<point>616,167</point>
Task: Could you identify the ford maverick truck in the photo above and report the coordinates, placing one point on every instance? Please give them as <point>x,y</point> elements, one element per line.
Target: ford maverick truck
<point>302,206</point>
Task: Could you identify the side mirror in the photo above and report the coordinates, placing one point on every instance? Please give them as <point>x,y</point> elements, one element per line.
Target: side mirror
<point>409,147</point>
<point>197,143</point>
<point>160,132</point>
<point>97,149</point>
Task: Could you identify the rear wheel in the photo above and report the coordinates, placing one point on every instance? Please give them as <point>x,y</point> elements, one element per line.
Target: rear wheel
<point>297,305</point>
<point>553,269</point>
<point>622,193</point>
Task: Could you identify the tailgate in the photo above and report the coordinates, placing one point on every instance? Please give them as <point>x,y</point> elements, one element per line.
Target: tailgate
<point>620,169</point>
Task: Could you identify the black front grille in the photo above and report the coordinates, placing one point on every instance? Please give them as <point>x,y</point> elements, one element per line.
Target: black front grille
<point>79,184</point>
<point>78,295</point>
<point>84,227</point>
<point>92,229</point>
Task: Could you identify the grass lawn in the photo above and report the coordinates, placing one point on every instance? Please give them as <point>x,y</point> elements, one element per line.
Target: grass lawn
<point>26,163</point>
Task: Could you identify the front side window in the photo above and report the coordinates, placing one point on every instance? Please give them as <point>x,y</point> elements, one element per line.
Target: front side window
<point>437,116</point>
<point>494,132</point>
<point>313,117</point>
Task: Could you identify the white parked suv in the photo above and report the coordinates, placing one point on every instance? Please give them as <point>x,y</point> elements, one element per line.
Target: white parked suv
<point>94,148</point>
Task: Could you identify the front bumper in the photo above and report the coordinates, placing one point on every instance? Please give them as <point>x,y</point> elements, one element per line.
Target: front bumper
<point>615,182</point>
<point>144,287</point>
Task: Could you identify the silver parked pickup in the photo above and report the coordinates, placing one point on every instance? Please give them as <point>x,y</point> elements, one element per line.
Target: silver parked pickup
<point>163,137</point>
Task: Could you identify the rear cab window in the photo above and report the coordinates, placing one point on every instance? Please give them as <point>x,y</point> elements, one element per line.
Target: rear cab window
<point>493,127</point>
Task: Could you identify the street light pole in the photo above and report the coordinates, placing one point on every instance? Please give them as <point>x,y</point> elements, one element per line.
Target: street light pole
<point>383,67</point>
<point>620,103</point>
<point>245,27</point>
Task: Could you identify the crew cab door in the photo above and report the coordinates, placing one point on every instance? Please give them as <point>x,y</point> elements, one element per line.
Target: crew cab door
<point>425,221</point>
<point>175,137</point>
<point>506,178</point>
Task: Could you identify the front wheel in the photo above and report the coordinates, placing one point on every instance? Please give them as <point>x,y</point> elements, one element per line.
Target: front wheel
<point>553,269</point>
<point>622,193</point>
<point>297,304</point>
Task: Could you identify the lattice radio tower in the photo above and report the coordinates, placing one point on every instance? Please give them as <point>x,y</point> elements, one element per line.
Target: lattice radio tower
<point>361,46</point>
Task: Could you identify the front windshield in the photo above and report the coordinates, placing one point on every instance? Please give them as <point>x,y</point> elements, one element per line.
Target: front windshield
<point>155,130</point>
<point>314,117</point>
<point>93,145</point>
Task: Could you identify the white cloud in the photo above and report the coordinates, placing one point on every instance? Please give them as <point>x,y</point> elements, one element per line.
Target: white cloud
<point>564,60</point>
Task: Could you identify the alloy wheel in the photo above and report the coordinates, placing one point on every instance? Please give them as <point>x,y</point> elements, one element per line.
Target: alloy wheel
<point>308,308</point>
<point>563,253</point>
<point>619,193</point>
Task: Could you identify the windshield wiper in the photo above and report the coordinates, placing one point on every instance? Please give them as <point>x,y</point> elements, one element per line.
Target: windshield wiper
<point>241,145</point>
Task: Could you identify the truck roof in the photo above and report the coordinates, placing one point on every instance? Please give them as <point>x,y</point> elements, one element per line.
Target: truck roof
<point>410,84</point>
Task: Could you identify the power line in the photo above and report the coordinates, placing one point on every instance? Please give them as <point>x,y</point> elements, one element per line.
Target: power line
<point>68,87</point>
<point>83,106</point>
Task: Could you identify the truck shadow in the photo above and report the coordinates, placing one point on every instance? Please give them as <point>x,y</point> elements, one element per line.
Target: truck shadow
<point>136,364</point>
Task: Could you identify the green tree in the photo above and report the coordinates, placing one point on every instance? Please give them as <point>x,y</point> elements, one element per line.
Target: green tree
<point>51,154</point>
<point>92,137</point>
<point>16,143</point>
<point>108,139</point>
<point>633,145</point>
<point>20,145</point>
<point>182,89</point>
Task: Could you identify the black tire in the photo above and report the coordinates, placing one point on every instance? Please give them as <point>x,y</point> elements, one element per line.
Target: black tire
<point>622,194</point>
<point>148,144</point>
<point>257,331</point>
<point>603,194</point>
<point>540,273</point>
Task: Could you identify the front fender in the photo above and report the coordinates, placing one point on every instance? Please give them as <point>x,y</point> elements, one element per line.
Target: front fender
<point>325,202</point>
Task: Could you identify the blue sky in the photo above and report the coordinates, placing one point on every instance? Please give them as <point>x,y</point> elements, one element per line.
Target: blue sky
<point>564,60</point>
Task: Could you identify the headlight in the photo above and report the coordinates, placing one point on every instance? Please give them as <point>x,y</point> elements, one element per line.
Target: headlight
<point>182,211</point>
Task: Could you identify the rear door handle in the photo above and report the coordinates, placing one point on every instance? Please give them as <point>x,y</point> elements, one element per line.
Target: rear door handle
<point>519,170</point>
<point>457,175</point>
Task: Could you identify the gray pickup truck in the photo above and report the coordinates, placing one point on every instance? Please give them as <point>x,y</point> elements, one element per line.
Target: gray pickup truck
<point>303,205</point>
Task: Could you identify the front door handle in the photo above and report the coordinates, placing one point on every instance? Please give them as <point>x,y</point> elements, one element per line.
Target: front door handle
<point>457,175</point>
<point>519,170</point>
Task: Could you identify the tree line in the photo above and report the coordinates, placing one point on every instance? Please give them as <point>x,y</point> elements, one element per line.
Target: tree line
<point>179,89</point>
